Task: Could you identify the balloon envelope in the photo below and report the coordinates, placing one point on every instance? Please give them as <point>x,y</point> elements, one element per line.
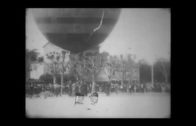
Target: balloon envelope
<point>76,30</point>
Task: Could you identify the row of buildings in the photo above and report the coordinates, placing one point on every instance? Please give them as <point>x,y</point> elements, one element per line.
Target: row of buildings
<point>39,69</point>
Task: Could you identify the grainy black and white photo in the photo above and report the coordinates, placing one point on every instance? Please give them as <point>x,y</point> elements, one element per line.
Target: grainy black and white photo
<point>98,63</point>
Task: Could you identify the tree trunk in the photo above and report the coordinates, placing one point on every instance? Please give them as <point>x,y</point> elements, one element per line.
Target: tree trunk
<point>122,81</point>
<point>121,86</point>
<point>152,76</point>
<point>166,80</point>
<point>93,84</point>
<point>127,87</point>
<point>62,79</point>
<point>93,87</point>
<point>54,79</point>
<point>109,89</point>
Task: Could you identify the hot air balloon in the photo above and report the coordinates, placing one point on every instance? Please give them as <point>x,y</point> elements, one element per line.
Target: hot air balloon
<point>76,29</point>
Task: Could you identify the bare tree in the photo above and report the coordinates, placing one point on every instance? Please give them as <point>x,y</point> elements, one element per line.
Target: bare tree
<point>127,67</point>
<point>53,65</point>
<point>76,67</point>
<point>63,67</point>
<point>164,66</point>
<point>165,70</point>
<point>94,63</point>
<point>123,69</point>
<point>110,68</point>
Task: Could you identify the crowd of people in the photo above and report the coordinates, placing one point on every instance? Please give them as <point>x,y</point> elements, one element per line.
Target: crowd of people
<point>84,87</point>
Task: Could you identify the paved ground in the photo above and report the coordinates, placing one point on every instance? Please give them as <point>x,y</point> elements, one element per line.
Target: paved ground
<point>144,105</point>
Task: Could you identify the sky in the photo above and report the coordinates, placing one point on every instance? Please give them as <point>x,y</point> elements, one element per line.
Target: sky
<point>142,32</point>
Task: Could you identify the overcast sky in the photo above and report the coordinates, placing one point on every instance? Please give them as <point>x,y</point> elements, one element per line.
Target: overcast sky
<point>143,32</point>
